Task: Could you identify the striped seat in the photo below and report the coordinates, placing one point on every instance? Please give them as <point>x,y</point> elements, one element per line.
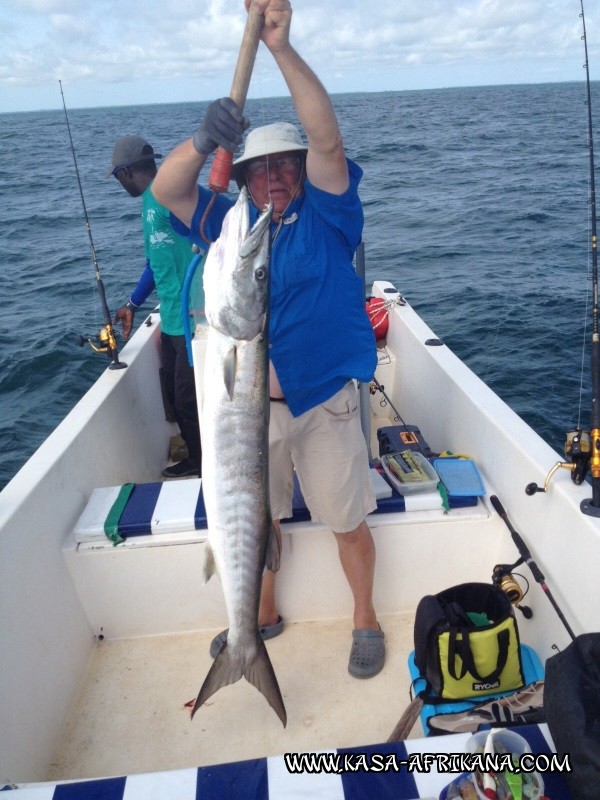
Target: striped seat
<point>142,509</point>
<point>318,775</point>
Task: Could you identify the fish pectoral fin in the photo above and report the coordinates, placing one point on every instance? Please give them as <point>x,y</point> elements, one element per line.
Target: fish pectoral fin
<point>273,554</point>
<point>258,671</point>
<point>229,366</point>
<point>210,566</point>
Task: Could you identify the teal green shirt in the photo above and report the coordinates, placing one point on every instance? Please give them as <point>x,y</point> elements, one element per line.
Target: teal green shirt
<point>169,255</point>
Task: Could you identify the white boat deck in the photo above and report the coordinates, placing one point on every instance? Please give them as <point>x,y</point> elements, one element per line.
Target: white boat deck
<point>131,715</point>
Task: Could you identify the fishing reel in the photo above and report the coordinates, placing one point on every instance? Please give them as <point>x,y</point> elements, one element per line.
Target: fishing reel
<point>502,577</point>
<point>107,343</point>
<point>578,448</point>
<point>578,451</point>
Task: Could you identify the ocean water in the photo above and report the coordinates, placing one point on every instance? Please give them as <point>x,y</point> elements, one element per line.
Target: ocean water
<point>476,204</point>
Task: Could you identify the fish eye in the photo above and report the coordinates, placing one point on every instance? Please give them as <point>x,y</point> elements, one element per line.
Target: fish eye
<point>260,273</point>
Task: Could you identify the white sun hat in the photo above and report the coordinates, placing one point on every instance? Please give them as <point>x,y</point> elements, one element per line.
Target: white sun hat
<point>279,137</point>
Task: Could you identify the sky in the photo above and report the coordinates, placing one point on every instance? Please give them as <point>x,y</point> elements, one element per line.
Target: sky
<point>130,52</point>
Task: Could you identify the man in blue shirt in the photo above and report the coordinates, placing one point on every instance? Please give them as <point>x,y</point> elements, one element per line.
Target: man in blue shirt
<point>321,339</point>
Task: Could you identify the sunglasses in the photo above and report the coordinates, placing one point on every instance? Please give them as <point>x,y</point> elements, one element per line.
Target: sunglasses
<point>258,169</point>
<point>133,163</point>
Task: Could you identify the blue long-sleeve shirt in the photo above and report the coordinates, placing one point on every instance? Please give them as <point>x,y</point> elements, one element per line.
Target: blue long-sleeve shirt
<point>145,286</point>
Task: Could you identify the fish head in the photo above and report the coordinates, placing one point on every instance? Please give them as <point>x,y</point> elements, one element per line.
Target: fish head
<point>249,289</point>
<point>236,273</point>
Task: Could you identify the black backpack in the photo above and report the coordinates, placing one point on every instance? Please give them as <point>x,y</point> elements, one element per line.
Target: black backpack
<point>572,705</point>
<point>463,659</point>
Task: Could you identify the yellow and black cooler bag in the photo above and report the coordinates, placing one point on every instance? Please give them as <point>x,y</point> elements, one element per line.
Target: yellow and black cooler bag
<point>467,642</point>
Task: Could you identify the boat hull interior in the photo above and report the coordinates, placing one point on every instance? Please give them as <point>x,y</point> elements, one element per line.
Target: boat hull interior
<point>106,646</point>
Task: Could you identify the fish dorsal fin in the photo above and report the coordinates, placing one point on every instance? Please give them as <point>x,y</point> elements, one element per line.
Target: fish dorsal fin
<point>229,365</point>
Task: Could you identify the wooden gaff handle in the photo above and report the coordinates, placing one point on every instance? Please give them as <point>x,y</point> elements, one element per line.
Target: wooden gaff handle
<point>220,173</point>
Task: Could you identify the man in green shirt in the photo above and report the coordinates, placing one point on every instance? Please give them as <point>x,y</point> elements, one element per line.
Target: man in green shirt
<point>168,254</point>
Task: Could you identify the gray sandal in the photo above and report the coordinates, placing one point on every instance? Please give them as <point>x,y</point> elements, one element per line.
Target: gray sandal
<point>266,632</point>
<point>368,653</point>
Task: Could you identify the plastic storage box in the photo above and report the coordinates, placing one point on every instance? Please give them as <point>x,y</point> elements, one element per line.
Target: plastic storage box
<point>460,476</point>
<point>411,487</point>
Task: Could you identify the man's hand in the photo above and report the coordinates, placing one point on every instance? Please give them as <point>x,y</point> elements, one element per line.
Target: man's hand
<point>223,125</point>
<point>278,17</point>
<point>124,315</point>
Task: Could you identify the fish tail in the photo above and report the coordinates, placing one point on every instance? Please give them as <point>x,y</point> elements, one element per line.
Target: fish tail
<point>258,671</point>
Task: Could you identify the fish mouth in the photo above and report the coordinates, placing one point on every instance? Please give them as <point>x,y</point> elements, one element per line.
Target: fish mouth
<point>255,235</point>
<point>264,218</point>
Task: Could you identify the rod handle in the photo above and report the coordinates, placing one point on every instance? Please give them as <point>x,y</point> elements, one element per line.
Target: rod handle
<point>220,173</point>
<point>498,507</point>
<point>521,546</point>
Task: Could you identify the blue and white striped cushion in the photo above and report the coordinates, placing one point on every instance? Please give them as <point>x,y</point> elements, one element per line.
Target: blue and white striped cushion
<point>178,506</point>
<point>269,778</point>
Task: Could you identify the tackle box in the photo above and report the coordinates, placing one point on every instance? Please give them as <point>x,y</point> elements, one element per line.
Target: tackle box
<point>396,465</point>
<point>395,438</point>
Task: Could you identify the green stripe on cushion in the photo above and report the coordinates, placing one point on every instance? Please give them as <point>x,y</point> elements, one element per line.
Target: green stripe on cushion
<point>111,523</point>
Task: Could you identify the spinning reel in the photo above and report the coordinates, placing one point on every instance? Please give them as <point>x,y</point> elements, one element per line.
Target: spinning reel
<point>502,576</point>
<point>578,451</point>
<point>106,344</point>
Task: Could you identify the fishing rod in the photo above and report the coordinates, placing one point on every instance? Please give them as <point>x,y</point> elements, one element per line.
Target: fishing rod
<point>527,559</point>
<point>409,437</point>
<point>582,448</point>
<point>107,342</point>
<point>592,507</point>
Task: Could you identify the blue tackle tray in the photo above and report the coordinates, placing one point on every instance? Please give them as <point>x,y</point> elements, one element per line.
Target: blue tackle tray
<point>460,476</point>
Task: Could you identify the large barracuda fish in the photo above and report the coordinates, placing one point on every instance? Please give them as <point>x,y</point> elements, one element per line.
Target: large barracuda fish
<point>235,447</point>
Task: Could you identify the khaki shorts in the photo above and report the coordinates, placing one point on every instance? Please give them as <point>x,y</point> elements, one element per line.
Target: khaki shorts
<point>327,448</point>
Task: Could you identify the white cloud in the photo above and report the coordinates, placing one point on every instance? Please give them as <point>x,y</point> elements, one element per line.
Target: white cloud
<point>359,43</point>
<point>70,27</point>
<point>33,7</point>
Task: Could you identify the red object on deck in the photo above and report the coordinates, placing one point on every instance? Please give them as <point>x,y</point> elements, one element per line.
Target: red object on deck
<point>378,314</point>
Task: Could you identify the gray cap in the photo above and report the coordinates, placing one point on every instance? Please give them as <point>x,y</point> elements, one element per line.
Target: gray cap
<point>279,137</point>
<point>130,150</point>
